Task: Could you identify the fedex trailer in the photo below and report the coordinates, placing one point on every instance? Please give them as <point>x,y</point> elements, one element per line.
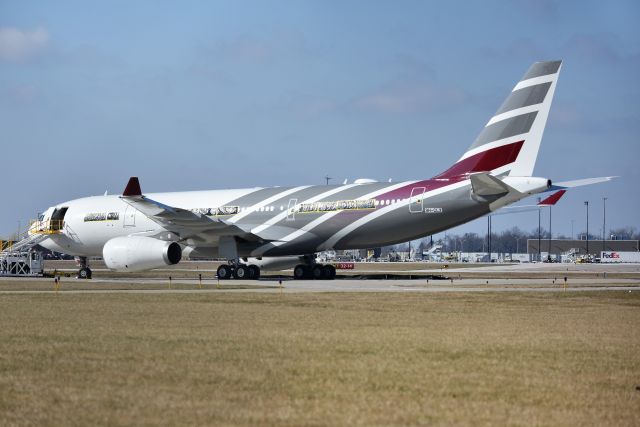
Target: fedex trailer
<point>615,256</point>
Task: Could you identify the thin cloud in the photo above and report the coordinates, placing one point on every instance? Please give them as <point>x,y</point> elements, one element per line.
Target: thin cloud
<point>22,94</point>
<point>412,96</point>
<point>253,50</point>
<point>597,48</point>
<point>547,9</point>
<point>518,48</point>
<point>310,105</point>
<point>19,46</point>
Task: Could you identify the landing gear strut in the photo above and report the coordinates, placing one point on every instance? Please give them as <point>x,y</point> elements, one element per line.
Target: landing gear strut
<point>85,271</point>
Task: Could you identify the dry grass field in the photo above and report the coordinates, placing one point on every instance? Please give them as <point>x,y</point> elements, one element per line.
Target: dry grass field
<point>320,359</point>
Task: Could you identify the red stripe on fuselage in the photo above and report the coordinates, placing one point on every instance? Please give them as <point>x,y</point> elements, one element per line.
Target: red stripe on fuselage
<point>427,184</point>
<point>485,161</point>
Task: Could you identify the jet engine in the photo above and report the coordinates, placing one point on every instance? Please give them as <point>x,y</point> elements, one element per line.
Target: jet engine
<point>137,253</point>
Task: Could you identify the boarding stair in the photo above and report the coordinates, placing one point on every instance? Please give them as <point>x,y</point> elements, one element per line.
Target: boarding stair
<point>20,257</point>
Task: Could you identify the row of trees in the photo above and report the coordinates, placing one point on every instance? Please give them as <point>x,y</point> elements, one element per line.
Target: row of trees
<point>513,240</point>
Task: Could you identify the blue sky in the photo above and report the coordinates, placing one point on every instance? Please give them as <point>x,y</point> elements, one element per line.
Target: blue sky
<point>199,95</point>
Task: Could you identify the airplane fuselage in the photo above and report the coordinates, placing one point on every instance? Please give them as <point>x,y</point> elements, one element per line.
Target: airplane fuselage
<point>287,220</point>
<point>138,231</point>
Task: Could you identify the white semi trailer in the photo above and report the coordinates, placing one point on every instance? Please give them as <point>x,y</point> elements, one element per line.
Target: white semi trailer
<point>615,256</point>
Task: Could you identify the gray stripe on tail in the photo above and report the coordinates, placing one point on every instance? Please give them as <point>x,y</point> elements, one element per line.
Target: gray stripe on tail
<point>530,95</point>
<point>542,69</point>
<point>505,129</point>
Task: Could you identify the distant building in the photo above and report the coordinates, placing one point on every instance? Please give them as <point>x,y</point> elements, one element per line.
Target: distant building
<point>562,246</point>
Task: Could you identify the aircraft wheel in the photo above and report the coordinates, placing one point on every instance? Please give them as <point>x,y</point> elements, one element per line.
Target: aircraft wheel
<point>84,273</point>
<point>241,272</point>
<point>328,272</point>
<point>254,272</point>
<point>224,272</point>
<point>300,272</point>
<point>316,272</point>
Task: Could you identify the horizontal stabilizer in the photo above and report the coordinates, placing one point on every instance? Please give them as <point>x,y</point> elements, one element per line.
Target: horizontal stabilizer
<point>560,189</point>
<point>552,199</point>
<point>580,182</point>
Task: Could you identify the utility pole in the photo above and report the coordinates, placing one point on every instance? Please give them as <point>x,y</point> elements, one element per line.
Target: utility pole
<point>539,237</point>
<point>586,203</point>
<point>572,228</point>
<point>489,237</point>
<point>549,254</point>
<point>604,222</point>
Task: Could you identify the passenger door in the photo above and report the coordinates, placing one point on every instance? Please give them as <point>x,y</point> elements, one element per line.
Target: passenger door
<point>416,204</point>
<point>129,217</point>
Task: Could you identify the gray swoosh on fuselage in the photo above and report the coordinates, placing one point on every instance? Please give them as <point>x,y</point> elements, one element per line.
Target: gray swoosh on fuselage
<point>400,225</point>
<point>288,225</point>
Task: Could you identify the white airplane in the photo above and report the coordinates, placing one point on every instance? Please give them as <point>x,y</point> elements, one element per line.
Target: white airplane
<point>285,226</point>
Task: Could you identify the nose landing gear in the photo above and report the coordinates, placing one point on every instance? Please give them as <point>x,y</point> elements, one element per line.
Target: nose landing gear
<point>84,272</point>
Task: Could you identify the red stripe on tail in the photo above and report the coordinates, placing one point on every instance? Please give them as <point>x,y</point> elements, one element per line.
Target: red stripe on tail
<point>485,161</point>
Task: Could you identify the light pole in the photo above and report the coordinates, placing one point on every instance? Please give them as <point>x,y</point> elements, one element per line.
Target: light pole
<point>489,236</point>
<point>604,222</point>
<point>572,228</point>
<point>549,254</point>
<point>586,203</point>
<point>462,248</point>
<point>539,238</point>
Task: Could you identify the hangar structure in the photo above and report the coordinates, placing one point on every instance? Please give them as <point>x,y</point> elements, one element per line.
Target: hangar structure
<point>559,247</point>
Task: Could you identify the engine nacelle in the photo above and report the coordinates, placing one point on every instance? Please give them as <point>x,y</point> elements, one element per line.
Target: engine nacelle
<point>137,253</point>
<point>527,184</point>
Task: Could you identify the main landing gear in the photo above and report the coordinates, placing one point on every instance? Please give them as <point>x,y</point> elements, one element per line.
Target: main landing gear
<point>238,271</point>
<point>85,271</point>
<point>314,271</point>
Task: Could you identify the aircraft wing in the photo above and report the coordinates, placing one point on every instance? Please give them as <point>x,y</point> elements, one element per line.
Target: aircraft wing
<point>549,201</point>
<point>183,222</point>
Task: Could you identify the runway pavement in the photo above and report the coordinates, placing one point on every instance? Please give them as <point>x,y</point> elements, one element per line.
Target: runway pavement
<point>160,286</point>
<point>487,278</point>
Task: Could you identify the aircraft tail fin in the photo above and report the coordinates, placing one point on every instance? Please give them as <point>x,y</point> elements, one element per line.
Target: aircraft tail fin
<point>509,142</point>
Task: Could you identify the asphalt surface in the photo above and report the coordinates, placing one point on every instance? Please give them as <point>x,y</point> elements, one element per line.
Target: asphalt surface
<point>590,277</point>
<point>161,286</point>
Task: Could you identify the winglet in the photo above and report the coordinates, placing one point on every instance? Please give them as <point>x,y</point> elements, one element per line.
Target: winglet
<point>133,188</point>
<point>552,199</point>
